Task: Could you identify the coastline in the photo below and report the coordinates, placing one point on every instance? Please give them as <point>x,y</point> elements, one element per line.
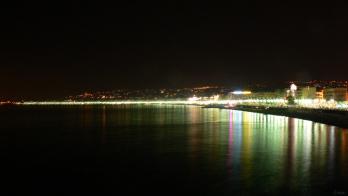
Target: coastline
<point>325,116</point>
<point>337,118</point>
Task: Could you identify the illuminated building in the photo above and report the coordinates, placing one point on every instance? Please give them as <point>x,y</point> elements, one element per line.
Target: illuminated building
<point>319,94</point>
<point>240,95</point>
<point>279,94</point>
<point>337,94</point>
<point>293,89</point>
<point>241,92</point>
<point>307,93</point>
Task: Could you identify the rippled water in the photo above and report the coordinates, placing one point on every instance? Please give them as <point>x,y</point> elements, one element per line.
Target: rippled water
<point>168,150</point>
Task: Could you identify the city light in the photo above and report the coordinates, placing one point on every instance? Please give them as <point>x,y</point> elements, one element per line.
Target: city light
<point>241,92</point>
<point>194,98</point>
<point>293,87</point>
<point>302,103</point>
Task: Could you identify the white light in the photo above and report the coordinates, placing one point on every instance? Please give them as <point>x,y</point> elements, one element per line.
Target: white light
<point>293,87</point>
<point>310,103</point>
<point>241,92</point>
<point>194,98</point>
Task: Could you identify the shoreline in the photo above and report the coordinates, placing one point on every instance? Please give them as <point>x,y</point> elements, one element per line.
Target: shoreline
<point>337,118</point>
<point>330,117</point>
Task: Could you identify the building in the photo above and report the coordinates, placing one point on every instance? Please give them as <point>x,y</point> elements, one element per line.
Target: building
<point>279,94</point>
<point>319,94</point>
<point>337,94</point>
<point>307,93</point>
<point>239,95</point>
<point>310,93</point>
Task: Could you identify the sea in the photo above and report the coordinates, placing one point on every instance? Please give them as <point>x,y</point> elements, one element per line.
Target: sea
<point>167,150</point>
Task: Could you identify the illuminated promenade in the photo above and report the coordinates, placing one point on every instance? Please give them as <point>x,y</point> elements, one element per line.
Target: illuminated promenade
<point>228,103</point>
<point>181,102</point>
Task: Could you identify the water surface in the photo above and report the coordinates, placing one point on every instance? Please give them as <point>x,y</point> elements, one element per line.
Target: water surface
<point>168,150</point>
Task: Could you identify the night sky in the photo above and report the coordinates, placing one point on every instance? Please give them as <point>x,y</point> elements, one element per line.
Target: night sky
<point>56,50</point>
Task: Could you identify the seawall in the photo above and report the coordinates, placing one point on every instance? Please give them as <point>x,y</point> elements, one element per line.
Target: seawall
<point>331,117</point>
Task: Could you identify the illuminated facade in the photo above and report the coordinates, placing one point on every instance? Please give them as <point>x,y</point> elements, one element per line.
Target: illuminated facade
<point>319,94</point>
<point>337,94</point>
<point>279,94</point>
<point>307,93</point>
<point>293,90</point>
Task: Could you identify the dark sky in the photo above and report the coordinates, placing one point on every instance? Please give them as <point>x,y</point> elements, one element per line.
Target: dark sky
<point>55,50</point>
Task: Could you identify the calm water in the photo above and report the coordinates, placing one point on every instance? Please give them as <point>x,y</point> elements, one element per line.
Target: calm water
<point>168,150</point>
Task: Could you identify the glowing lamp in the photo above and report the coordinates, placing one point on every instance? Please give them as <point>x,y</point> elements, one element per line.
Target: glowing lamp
<point>293,87</point>
<point>241,92</point>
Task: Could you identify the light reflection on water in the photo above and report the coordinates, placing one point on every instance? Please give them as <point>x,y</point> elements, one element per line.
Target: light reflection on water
<point>289,152</point>
<point>204,150</point>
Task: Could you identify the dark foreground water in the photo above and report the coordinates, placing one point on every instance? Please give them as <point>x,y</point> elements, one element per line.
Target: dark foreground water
<point>167,150</point>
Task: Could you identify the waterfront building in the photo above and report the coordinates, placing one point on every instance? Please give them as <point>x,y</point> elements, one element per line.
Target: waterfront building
<point>319,94</point>
<point>307,93</point>
<point>240,95</point>
<point>337,94</point>
<point>293,90</point>
<point>278,94</point>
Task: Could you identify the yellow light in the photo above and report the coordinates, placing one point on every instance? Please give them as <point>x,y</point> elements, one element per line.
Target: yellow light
<point>241,92</point>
